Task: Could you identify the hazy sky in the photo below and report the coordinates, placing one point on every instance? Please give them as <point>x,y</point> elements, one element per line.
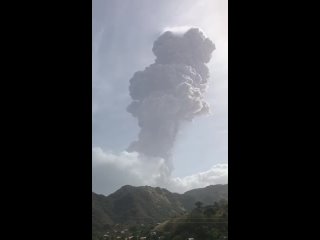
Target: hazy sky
<point>123,35</point>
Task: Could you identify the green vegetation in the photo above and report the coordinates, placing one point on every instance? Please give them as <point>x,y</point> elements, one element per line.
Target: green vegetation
<point>203,222</point>
<point>139,211</point>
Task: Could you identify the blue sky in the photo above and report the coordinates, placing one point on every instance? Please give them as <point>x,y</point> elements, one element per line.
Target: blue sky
<point>123,35</point>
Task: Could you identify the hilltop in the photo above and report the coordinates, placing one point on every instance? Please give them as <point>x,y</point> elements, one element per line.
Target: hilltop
<point>132,206</point>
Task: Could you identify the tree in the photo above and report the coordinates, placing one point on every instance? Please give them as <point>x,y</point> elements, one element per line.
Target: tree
<point>209,212</point>
<point>199,204</point>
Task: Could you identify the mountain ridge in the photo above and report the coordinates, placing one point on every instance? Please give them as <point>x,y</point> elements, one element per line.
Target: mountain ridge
<point>127,186</point>
<point>148,205</point>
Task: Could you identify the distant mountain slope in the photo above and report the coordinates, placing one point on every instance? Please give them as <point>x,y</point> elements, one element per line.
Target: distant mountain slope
<point>207,195</point>
<point>134,205</point>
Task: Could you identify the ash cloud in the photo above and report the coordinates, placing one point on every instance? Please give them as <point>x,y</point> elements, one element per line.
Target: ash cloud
<point>170,91</point>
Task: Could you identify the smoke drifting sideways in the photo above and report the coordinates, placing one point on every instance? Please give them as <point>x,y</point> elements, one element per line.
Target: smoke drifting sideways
<point>170,91</point>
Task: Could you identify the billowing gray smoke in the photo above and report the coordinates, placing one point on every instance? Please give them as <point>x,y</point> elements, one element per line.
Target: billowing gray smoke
<point>170,91</point>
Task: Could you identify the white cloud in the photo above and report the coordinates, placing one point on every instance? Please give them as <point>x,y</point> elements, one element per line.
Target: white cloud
<point>111,171</point>
<point>218,174</point>
<point>123,160</point>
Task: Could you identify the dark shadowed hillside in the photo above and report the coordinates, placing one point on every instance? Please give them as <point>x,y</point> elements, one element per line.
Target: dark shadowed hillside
<point>142,205</point>
<point>207,195</point>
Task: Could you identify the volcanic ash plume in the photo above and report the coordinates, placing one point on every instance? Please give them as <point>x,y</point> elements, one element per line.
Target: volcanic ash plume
<point>170,91</point>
